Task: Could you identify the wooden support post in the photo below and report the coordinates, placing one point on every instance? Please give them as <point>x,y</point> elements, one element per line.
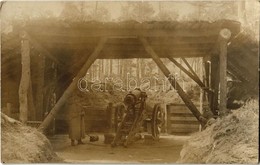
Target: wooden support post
<point>214,84</point>
<point>25,79</point>
<point>67,93</point>
<point>224,36</point>
<point>201,92</point>
<point>173,82</point>
<point>207,66</point>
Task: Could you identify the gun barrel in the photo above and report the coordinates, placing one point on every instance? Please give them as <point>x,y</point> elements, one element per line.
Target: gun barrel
<point>132,97</point>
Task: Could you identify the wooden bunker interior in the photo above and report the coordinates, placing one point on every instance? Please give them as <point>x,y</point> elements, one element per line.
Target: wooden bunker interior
<point>60,53</point>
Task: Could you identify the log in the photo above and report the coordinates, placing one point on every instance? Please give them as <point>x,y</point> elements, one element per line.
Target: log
<point>190,68</point>
<point>122,32</point>
<point>214,84</point>
<point>25,80</point>
<point>207,67</point>
<point>194,77</point>
<point>67,93</point>
<point>173,82</point>
<point>224,36</point>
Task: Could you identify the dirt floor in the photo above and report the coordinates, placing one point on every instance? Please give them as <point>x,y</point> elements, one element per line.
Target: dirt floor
<point>166,150</point>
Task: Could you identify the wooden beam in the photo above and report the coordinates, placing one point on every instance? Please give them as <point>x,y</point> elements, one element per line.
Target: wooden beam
<point>67,93</point>
<point>121,32</point>
<point>182,40</point>
<point>206,61</point>
<point>132,47</point>
<point>224,36</point>
<point>173,82</point>
<point>122,41</point>
<point>174,48</point>
<point>192,76</point>
<point>190,68</point>
<point>41,49</point>
<point>161,51</point>
<point>129,55</point>
<point>214,84</point>
<point>25,79</point>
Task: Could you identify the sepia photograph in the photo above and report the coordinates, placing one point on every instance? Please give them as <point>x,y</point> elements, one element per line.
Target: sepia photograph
<point>130,82</point>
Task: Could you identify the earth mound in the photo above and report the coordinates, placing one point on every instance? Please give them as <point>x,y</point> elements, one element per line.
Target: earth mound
<point>24,144</point>
<point>231,139</point>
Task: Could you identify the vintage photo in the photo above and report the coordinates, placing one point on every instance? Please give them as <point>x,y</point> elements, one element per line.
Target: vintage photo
<point>130,82</point>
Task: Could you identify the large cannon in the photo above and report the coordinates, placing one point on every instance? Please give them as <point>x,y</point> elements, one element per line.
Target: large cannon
<point>134,117</point>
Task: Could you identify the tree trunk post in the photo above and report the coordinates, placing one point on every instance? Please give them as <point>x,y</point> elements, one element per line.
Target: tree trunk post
<point>214,84</point>
<point>224,36</point>
<point>25,79</point>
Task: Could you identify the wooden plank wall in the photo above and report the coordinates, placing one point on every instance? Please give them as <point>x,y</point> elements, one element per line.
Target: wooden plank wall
<point>180,120</point>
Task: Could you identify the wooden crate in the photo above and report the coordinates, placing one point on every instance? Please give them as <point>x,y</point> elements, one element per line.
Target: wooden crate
<point>180,120</point>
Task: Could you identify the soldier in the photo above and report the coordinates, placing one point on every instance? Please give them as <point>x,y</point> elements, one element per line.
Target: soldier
<point>76,119</point>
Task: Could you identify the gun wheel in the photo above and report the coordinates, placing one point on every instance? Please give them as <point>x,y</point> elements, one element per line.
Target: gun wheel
<point>157,120</point>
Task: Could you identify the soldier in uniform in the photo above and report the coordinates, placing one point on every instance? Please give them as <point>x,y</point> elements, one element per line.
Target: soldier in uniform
<point>76,120</point>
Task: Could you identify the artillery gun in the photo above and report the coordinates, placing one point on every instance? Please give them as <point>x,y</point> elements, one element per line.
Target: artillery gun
<point>134,117</point>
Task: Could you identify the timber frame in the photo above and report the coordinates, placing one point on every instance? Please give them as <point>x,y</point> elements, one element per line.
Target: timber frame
<point>94,40</point>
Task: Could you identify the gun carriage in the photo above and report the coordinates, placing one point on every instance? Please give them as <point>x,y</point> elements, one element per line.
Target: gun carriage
<point>134,117</point>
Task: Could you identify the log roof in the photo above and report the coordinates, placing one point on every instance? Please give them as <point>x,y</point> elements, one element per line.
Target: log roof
<point>176,39</point>
<point>72,42</point>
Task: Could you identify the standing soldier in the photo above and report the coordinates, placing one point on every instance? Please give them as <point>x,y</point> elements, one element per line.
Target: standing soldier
<point>76,119</point>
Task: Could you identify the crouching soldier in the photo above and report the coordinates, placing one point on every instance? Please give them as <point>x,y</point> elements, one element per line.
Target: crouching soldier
<point>76,120</point>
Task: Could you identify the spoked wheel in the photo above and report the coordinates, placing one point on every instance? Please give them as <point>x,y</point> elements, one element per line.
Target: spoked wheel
<point>157,121</point>
<point>119,114</point>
